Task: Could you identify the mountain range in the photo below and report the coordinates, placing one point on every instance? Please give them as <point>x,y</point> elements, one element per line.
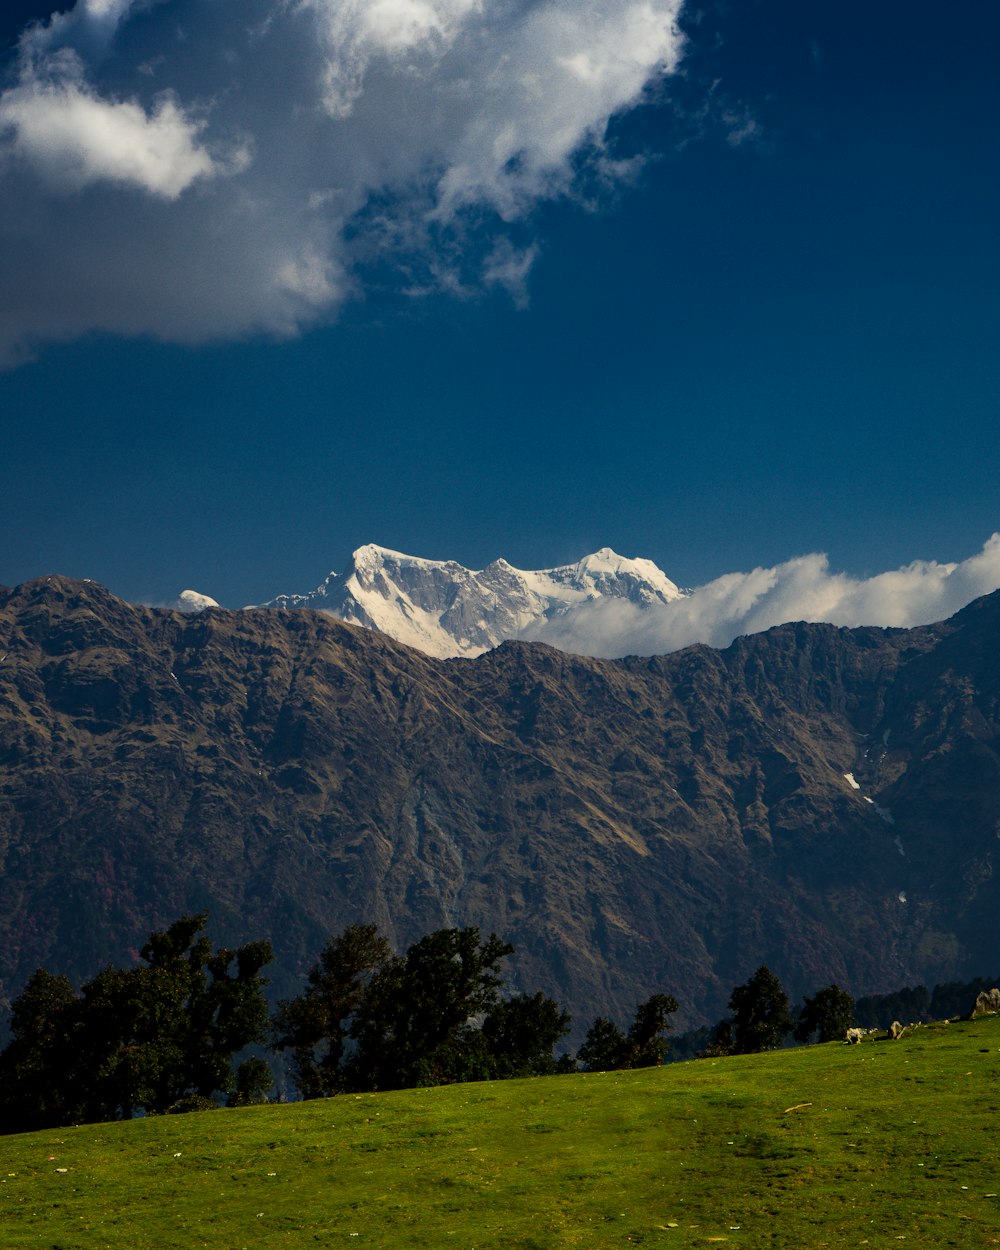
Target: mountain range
<point>824,800</point>
<point>444,609</point>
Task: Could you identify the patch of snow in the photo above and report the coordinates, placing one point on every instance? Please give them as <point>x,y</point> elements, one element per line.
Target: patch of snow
<point>885,814</point>
<point>899,846</point>
<point>901,896</point>
<point>849,778</point>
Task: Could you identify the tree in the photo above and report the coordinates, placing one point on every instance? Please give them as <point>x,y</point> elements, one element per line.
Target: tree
<point>647,1042</point>
<point>146,1037</point>
<point>829,1013</point>
<point>35,1065</point>
<point>720,1041</point>
<point>415,1023</point>
<point>606,1048</point>
<point>369,1019</point>
<point>181,1019</point>
<point>520,1034</point>
<point>253,1080</point>
<point>315,1025</point>
<point>760,1013</point>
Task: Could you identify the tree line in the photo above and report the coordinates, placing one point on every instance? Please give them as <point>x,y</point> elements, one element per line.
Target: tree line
<point>168,1034</point>
<point>762,1018</point>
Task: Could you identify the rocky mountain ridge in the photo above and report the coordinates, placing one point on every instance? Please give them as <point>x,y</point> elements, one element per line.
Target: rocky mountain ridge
<point>823,800</point>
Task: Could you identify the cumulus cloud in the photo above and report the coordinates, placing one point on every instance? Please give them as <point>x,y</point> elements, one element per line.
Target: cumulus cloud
<point>73,138</point>
<point>804,589</point>
<point>192,601</point>
<point>194,170</point>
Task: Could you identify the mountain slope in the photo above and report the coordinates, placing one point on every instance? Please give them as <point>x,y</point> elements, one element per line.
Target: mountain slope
<point>633,825</point>
<point>446,610</point>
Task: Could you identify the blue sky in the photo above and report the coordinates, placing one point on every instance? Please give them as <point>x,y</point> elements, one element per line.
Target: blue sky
<point>727,297</point>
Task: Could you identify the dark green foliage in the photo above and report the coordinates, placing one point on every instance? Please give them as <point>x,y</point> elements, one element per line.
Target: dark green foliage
<point>414,1023</point>
<point>604,1048</point>
<point>879,1010</point>
<point>607,1049</point>
<point>916,1002</point>
<point>314,1026</point>
<point>520,1034</point>
<point>720,1041</point>
<point>253,1081</point>
<point>760,1013</point>
<point>369,1019</point>
<point>688,1045</point>
<point>42,1042</point>
<point>147,1037</point>
<point>829,1013</point>
<point>955,998</point>
<point>647,1043</point>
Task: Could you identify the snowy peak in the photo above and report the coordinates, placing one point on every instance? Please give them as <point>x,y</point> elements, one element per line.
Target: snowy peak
<point>607,573</point>
<point>445,609</point>
<point>193,601</point>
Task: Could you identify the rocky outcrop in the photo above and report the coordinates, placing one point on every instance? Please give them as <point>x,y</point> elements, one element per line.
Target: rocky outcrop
<point>987,1004</point>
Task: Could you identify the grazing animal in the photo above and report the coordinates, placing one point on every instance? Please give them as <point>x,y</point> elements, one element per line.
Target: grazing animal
<point>854,1035</point>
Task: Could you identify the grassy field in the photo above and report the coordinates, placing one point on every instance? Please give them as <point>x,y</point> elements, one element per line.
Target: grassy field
<point>834,1145</point>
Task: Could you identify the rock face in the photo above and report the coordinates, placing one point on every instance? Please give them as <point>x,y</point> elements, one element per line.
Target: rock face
<point>826,801</point>
<point>987,1003</point>
<point>444,609</point>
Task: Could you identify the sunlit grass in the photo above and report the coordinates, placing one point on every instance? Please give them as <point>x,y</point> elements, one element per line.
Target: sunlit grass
<point>836,1145</point>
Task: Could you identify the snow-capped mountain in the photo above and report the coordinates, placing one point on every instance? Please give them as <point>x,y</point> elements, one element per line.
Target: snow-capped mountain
<point>193,601</point>
<point>444,609</point>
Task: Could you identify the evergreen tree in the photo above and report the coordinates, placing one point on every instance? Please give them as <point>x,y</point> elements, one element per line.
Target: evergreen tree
<point>520,1034</point>
<point>760,1013</point>
<point>647,1042</point>
<point>39,1063</point>
<point>315,1025</point>
<point>607,1049</point>
<point>253,1080</point>
<point>415,1023</point>
<point>828,1013</point>
<point>908,1003</point>
<point>720,1041</point>
<point>369,1019</point>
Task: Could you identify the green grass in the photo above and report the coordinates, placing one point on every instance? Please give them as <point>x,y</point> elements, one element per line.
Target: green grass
<point>875,1145</point>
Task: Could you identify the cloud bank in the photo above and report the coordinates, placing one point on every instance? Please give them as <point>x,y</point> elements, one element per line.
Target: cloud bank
<point>803,589</point>
<point>193,170</point>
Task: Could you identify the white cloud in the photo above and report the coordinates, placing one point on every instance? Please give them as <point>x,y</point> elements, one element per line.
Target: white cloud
<point>358,31</point>
<point>276,144</point>
<point>192,601</point>
<point>561,72</point>
<point>74,138</point>
<point>803,589</point>
<point>508,267</point>
<point>107,10</point>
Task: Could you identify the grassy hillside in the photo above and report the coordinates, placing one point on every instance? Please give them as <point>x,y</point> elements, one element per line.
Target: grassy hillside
<point>836,1145</point>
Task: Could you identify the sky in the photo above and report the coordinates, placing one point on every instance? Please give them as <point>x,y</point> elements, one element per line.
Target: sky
<point>713,284</point>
